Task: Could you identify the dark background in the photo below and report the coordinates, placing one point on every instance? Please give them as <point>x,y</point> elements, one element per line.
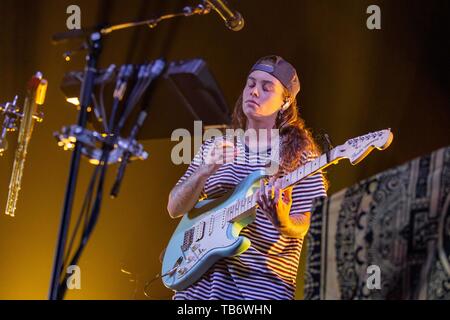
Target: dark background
<point>354,80</point>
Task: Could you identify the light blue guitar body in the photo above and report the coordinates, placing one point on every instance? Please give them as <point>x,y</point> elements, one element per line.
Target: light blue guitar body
<point>203,236</point>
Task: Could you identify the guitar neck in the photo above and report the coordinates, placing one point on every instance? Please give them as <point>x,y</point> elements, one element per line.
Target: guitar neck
<point>241,206</point>
<point>310,168</point>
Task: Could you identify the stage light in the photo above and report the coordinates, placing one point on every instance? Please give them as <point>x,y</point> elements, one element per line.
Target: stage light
<point>73,100</point>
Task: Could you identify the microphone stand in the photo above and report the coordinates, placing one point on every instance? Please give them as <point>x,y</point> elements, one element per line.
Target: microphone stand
<point>187,11</point>
<point>94,47</point>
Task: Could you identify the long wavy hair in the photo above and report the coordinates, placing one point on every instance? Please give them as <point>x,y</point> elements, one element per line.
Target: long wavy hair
<point>295,139</point>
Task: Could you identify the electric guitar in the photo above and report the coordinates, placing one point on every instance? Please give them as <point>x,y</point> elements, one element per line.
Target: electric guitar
<point>210,231</point>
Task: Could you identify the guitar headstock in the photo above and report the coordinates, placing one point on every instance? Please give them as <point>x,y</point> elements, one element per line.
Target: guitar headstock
<point>358,148</point>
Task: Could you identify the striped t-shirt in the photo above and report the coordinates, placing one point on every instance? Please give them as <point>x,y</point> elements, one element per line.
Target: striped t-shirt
<point>268,269</point>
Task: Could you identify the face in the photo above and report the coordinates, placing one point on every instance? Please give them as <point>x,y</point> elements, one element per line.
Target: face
<point>262,96</point>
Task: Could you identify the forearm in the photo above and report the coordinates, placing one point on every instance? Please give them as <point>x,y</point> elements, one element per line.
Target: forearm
<point>297,225</point>
<point>184,196</point>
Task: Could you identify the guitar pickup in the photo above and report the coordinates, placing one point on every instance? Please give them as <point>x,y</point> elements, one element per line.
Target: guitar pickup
<point>188,239</point>
<point>200,231</point>
<point>211,225</point>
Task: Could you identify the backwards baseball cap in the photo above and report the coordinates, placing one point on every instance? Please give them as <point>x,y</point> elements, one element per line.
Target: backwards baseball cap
<point>280,69</point>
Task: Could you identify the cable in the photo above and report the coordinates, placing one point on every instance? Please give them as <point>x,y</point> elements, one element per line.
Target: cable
<point>148,283</point>
<point>83,214</point>
<point>92,220</point>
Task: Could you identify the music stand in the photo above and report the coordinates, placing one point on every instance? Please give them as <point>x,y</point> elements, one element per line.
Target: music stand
<point>186,92</point>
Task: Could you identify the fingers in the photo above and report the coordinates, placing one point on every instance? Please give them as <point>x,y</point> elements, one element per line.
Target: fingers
<point>271,194</point>
<point>222,152</point>
<point>272,180</point>
<point>268,195</point>
<point>287,195</point>
<point>223,147</point>
<point>278,183</point>
<point>262,205</point>
<point>277,196</point>
<point>279,191</point>
<point>223,143</point>
<point>225,151</point>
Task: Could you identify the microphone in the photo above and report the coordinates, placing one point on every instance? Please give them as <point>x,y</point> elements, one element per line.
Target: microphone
<point>233,19</point>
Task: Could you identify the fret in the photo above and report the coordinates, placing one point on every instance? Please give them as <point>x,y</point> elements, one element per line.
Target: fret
<point>252,200</point>
<point>308,169</point>
<point>242,205</point>
<point>286,181</point>
<point>315,164</point>
<point>239,207</point>
<point>249,202</point>
<point>301,173</point>
<point>229,213</point>
<point>323,160</point>
<point>236,209</point>
<point>294,176</point>
<point>333,155</point>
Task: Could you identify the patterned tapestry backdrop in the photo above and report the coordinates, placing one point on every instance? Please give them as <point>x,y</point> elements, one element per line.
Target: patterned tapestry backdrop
<point>398,220</point>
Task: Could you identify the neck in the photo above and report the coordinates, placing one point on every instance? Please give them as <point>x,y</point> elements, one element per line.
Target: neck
<point>263,129</point>
<point>264,123</point>
<point>241,207</point>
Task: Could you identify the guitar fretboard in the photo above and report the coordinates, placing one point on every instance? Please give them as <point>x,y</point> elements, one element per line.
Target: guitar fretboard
<point>240,206</point>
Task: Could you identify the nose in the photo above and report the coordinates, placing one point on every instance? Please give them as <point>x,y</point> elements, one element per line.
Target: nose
<point>254,92</point>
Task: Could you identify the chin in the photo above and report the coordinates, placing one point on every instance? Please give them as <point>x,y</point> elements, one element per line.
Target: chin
<point>251,114</point>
